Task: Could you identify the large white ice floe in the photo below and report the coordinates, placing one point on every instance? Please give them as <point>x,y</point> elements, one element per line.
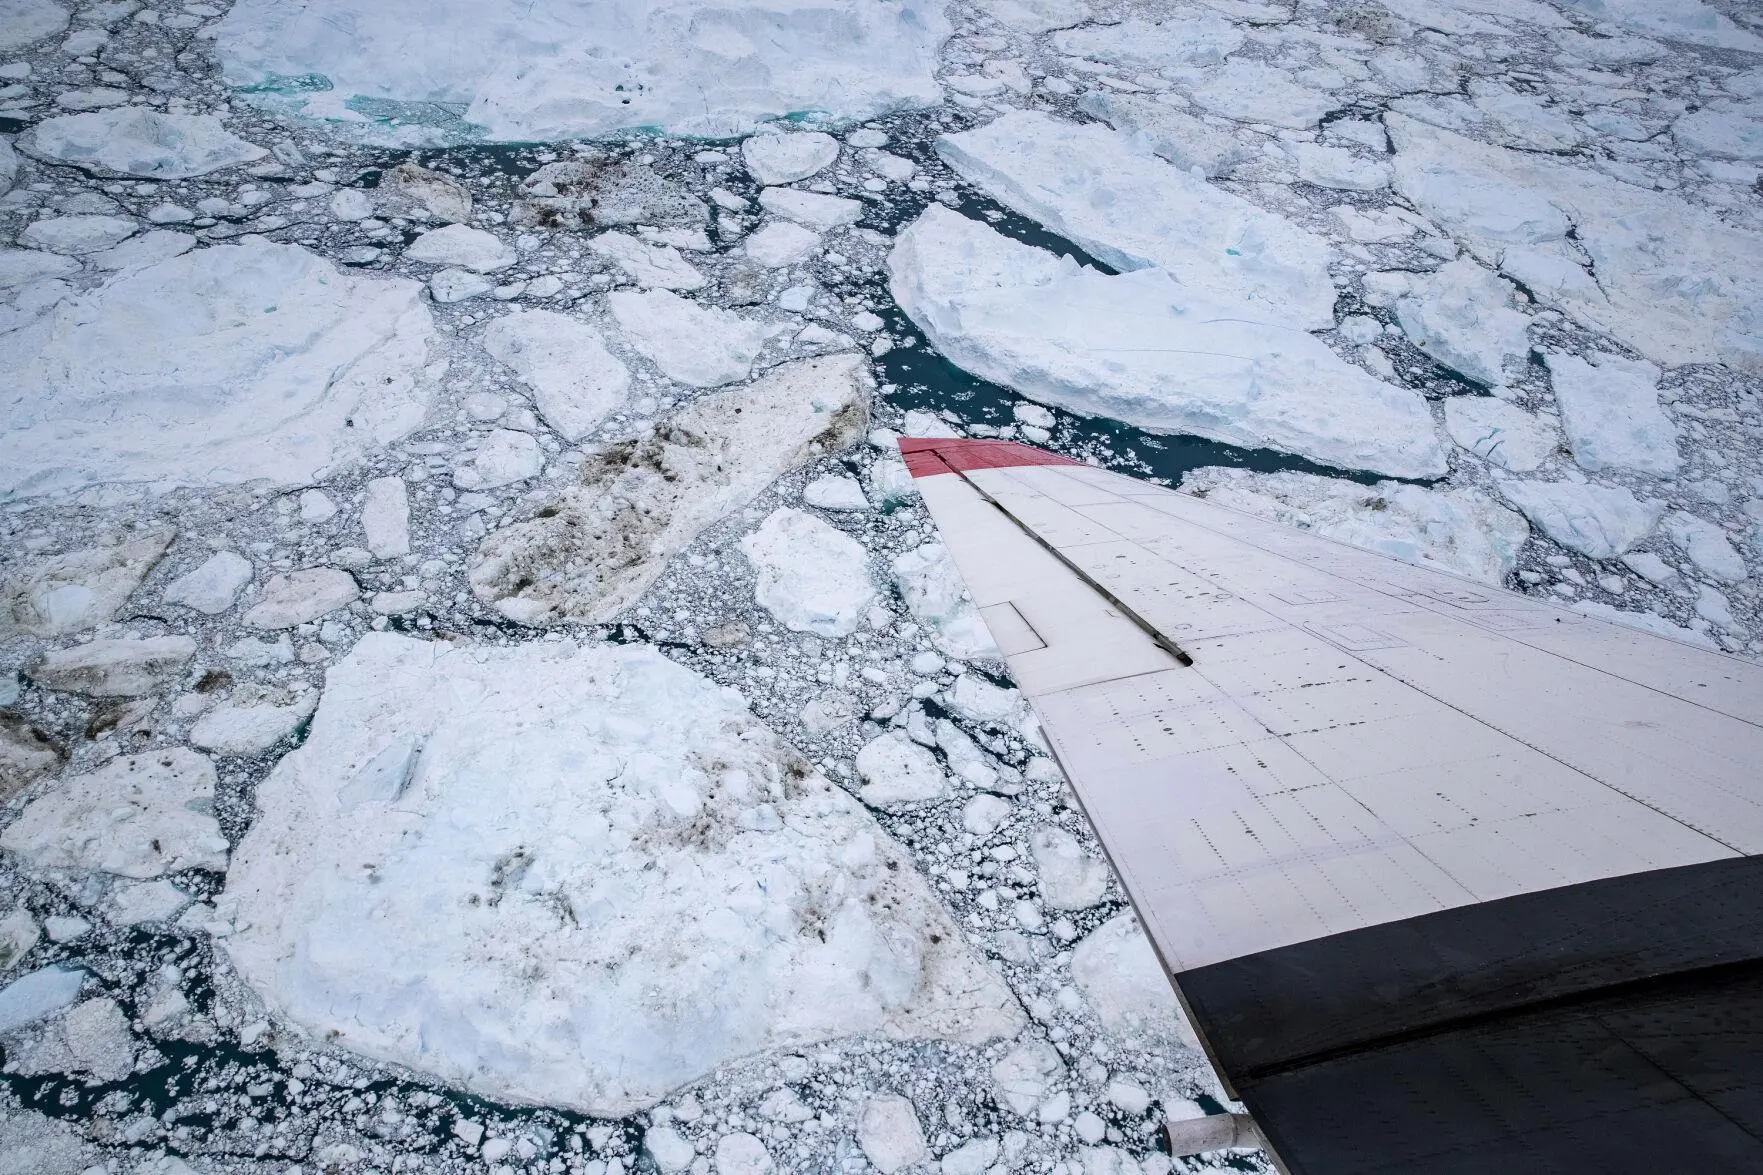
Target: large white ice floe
<point>1656,272</point>
<point>51,595</point>
<point>1610,409</point>
<point>1131,210</point>
<point>137,816</point>
<point>1462,316</point>
<point>576,381</point>
<point>1600,521</point>
<point>812,576</point>
<point>1147,350</point>
<point>704,346</point>
<point>1457,530</point>
<point>518,70</point>
<point>139,141</point>
<point>593,551</point>
<point>229,364</point>
<point>1499,432</point>
<point>611,837</point>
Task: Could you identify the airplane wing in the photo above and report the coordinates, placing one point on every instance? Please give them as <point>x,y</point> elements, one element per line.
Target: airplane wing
<point>1449,879</point>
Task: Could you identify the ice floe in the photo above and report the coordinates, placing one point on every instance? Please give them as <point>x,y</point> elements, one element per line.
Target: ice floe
<point>934,593</point>
<point>138,141</point>
<point>137,816</point>
<point>1142,348</point>
<point>603,542</point>
<point>116,668</point>
<point>267,363</point>
<point>50,595</point>
<point>298,597</point>
<point>1118,973</point>
<point>1610,409</point>
<point>689,890</point>
<point>576,381</point>
<point>463,247</point>
<point>704,346</point>
<point>897,771</point>
<point>1500,432</point>
<point>555,71</point>
<point>1599,521</point>
<point>1133,211</point>
<point>784,158</point>
<point>1459,530</point>
<point>812,577</point>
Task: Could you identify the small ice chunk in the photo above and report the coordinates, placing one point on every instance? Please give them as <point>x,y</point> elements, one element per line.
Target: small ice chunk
<point>301,596</point>
<point>139,141</point>
<point>782,243</point>
<point>984,813</point>
<point>76,234</point>
<point>92,1038</point>
<point>1029,1073</point>
<point>973,1157</point>
<point>889,1133</point>
<point>1600,521</point>
<point>773,158</point>
<point>671,1150</point>
<point>934,592</point>
<point>742,1154</point>
<point>1610,411</point>
<point>1339,168</point>
<point>1253,91</point>
<point>651,266</point>
<point>705,347</point>
<point>1069,878</point>
<point>897,771</point>
<point>835,492</point>
<point>458,285</point>
<point>138,816</point>
<point>576,381</point>
<point>462,247</point>
<point>812,576</point>
<point>38,995</point>
<point>441,197</point>
<point>1499,432</point>
<point>385,517</point>
<point>233,729</point>
<point>316,506</point>
<point>1119,975</point>
<point>817,211</point>
<point>502,458</point>
<point>130,903</point>
<point>1707,545</point>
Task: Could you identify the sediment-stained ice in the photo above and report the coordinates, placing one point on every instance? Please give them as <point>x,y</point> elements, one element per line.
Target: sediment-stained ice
<point>1145,349</point>
<point>139,141</point>
<point>665,884</point>
<point>1131,210</point>
<point>558,70</point>
<point>590,554</point>
<point>229,364</point>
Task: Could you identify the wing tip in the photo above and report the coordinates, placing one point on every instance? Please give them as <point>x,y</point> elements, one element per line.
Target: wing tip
<point>930,456</point>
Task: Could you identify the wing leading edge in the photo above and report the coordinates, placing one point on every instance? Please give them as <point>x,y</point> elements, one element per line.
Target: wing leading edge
<point>1445,876</point>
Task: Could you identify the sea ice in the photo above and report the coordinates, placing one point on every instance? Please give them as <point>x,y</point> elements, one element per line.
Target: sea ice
<point>934,593</point>
<point>784,158</point>
<point>1252,91</point>
<point>1600,521</point>
<point>1672,280</point>
<point>704,346</point>
<point>1183,38</point>
<point>1462,316</point>
<point>817,211</point>
<point>1036,16</point>
<point>1173,134</point>
<point>137,816</point>
<point>781,243</point>
<point>1143,349</point>
<point>606,539</point>
<point>554,70</point>
<point>462,247</point>
<point>1735,133</point>
<point>249,728</point>
<point>835,492</point>
<point>1707,545</point>
<point>812,577</point>
<point>576,381</point>
<point>25,22</point>
<point>1610,410</point>
<point>212,587</point>
<point>1339,168</point>
<point>502,458</point>
<point>1500,432</point>
<point>38,994</point>
<point>22,267</point>
<point>602,830</point>
<point>653,266</point>
<point>897,771</point>
<point>27,754</point>
<point>890,1135</point>
<point>1119,975</point>
<point>298,597</point>
<point>1133,211</point>
<point>91,1038</point>
<point>116,668</point>
<point>52,595</point>
<point>385,518</point>
<point>1069,878</point>
<point>228,364</point>
<point>1028,1074</point>
<point>139,141</point>
<point>1675,20</point>
<point>73,235</point>
<point>1458,530</point>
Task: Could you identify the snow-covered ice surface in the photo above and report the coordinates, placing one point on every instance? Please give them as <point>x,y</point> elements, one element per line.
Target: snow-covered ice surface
<point>638,407</point>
